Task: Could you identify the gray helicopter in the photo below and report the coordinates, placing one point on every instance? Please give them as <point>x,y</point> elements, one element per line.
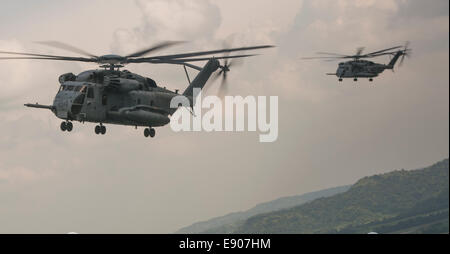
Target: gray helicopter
<point>360,68</point>
<point>114,96</point>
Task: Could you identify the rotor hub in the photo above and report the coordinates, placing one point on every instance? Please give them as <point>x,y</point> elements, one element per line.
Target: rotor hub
<point>111,59</point>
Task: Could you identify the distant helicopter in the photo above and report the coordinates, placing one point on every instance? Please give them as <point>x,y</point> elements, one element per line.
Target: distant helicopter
<point>358,68</point>
<point>114,96</point>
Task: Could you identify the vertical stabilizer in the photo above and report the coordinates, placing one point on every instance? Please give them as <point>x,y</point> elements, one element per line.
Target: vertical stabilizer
<point>201,79</point>
<point>394,60</point>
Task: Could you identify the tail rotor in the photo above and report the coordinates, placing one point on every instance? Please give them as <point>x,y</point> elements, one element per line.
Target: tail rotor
<point>224,69</point>
<point>406,53</point>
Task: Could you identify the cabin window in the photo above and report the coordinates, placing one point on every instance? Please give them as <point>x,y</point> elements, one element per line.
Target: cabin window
<point>138,101</point>
<point>69,88</point>
<point>90,93</point>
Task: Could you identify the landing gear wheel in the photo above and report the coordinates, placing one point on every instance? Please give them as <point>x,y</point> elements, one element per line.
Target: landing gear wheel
<point>97,129</point>
<point>100,129</point>
<point>371,79</point>
<point>69,126</point>
<point>149,132</point>
<point>63,126</point>
<point>355,79</point>
<point>152,132</point>
<point>340,80</point>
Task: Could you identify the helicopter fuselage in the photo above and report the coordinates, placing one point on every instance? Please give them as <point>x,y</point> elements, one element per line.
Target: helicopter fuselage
<point>119,97</point>
<point>90,102</point>
<point>102,96</point>
<point>360,69</point>
<point>122,97</point>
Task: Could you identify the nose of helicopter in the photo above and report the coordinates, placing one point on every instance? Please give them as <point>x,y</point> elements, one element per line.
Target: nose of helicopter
<point>67,104</point>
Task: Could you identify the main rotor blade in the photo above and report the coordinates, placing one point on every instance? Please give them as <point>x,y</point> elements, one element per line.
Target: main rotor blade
<point>381,51</point>
<point>331,60</point>
<point>208,58</point>
<point>327,57</point>
<point>40,55</point>
<point>235,62</point>
<point>75,59</point>
<point>61,45</point>
<point>202,53</point>
<point>333,54</point>
<point>380,54</point>
<point>154,48</point>
<point>174,62</point>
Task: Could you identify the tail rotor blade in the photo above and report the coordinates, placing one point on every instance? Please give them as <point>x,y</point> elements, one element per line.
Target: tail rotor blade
<point>406,53</point>
<point>236,62</point>
<point>223,86</point>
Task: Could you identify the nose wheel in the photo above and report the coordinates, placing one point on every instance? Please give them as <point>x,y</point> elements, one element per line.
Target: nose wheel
<point>100,129</point>
<point>66,126</point>
<point>149,132</point>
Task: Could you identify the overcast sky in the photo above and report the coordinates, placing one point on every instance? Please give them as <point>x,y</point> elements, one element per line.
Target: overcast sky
<point>330,133</point>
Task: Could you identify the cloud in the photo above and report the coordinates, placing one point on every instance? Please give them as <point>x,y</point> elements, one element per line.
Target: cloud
<point>423,9</point>
<point>330,133</point>
<point>169,20</point>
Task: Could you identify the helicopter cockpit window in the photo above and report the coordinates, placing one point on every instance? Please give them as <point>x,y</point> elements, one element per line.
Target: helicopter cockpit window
<point>83,89</point>
<point>90,93</point>
<point>61,88</point>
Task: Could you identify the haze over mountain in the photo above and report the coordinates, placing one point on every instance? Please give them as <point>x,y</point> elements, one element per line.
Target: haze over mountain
<point>397,202</point>
<point>229,222</point>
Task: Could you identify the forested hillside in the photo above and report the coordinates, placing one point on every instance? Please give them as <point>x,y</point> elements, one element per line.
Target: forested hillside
<point>398,202</point>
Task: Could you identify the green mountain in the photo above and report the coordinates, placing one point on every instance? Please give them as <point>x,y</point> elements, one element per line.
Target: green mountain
<point>230,222</point>
<point>398,202</point>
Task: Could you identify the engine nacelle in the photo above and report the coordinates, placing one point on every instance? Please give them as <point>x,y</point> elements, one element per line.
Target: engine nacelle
<point>121,84</point>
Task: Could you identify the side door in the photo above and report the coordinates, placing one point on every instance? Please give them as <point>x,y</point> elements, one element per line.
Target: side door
<point>95,111</point>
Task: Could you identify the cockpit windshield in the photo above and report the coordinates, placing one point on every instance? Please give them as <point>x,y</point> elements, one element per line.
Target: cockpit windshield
<point>81,89</point>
